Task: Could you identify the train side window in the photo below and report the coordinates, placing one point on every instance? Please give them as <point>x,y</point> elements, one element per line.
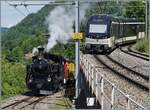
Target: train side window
<point>118,29</point>
<point>121,30</point>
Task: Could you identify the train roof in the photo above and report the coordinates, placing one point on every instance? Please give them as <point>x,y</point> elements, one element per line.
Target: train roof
<point>117,19</point>
<point>99,16</point>
<point>129,19</point>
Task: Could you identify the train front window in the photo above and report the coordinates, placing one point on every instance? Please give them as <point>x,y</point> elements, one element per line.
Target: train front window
<point>98,28</point>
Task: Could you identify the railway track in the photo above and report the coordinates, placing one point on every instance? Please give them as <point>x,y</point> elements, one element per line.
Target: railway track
<point>53,101</point>
<point>135,78</point>
<point>130,51</point>
<point>34,102</point>
<point>24,100</point>
<point>66,102</point>
<point>13,105</point>
<point>146,77</point>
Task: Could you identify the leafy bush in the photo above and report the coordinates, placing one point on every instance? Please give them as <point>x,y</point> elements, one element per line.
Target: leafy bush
<point>67,50</point>
<point>142,45</point>
<point>13,78</point>
<point>31,42</point>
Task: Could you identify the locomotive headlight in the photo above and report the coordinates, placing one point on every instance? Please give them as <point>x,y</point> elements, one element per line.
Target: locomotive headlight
<point>49,79</point>
<point>30,80</point>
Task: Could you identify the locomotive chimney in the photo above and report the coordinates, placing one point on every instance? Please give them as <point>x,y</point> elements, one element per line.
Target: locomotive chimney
<point>41,51</point>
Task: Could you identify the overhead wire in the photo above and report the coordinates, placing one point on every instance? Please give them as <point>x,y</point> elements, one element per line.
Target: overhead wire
<point>103,8</point>
<point>15,7</point>
<point>99,8</point>
<point>20,11</point>
<point>26,6</point>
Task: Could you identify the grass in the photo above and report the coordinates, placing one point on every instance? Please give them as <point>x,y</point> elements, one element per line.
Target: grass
<point>142,45</point>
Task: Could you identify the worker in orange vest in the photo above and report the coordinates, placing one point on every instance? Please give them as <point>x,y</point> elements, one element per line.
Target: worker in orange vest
<point>66,71</point>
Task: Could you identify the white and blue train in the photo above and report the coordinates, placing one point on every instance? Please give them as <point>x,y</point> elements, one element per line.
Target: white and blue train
<point>104,33</point>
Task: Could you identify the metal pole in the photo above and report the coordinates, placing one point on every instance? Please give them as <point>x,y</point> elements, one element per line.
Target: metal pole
<point>112,97</point>
<point>128,104</point>
<point>77,50</point>
<point>146,23</point>
<point>102,93</point>
<point>0,59</point>
<point>149,47</point>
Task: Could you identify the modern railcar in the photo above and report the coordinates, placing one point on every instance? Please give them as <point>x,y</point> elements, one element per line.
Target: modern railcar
<point>103,33</point>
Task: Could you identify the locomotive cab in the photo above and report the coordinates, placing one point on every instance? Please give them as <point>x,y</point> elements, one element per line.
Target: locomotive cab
<point>97,36</point>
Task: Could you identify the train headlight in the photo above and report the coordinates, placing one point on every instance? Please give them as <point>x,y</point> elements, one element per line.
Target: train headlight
<point>49,79</point>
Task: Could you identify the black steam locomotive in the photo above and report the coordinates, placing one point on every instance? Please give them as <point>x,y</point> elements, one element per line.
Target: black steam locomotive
<point>45,74</point>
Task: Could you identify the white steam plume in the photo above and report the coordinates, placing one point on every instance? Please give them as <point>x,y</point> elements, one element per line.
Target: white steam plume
<point>60,25</point>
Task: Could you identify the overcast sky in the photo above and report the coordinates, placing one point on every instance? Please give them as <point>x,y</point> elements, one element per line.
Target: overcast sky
<point>10,16</point>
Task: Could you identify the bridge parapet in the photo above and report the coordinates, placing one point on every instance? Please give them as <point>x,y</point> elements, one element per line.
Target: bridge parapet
<point>107,94</point>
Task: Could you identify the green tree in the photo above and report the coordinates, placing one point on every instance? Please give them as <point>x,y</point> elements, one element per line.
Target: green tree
<point>18,53</point>
<point>135,9</point>
<point>106,7</point>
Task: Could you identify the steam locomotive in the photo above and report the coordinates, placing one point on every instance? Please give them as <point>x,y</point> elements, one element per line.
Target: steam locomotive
<point>104,33</point>
<point>45,75</point>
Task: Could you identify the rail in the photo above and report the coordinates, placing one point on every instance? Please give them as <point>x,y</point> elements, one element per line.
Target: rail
<point>98,83</point>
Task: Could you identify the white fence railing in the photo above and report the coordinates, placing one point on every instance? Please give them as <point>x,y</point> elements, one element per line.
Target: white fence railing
<point>109,96</point>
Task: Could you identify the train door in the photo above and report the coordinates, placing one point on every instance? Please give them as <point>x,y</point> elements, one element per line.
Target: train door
<point>118,32</point>
<point>115,31</point>
<point>112,34</point>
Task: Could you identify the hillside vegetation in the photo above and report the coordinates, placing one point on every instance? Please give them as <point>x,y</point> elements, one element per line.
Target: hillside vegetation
<point>21,39</point>
<point>13,78</point>
<point>30,26</point>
